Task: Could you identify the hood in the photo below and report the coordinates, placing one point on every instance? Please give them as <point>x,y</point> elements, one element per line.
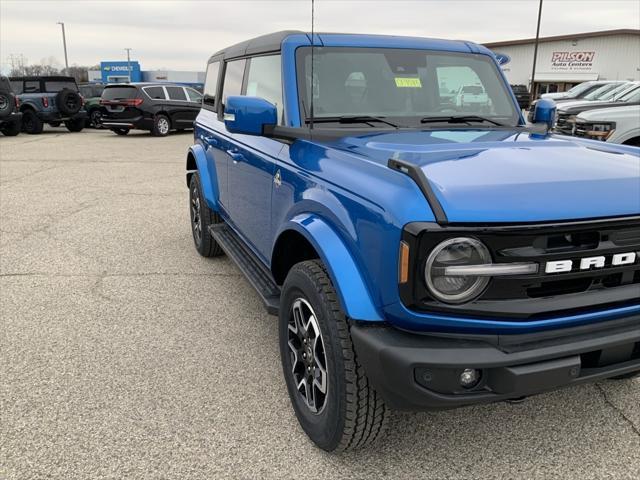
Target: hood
<point>576,107</point>
<point>509,176</point>
<point>612,114</point>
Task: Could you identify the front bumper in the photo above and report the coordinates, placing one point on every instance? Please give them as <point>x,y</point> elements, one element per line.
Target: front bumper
<point>421,372</point>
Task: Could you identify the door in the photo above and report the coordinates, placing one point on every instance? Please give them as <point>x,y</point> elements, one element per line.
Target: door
<point>252,158</point>
<point>182,111</point>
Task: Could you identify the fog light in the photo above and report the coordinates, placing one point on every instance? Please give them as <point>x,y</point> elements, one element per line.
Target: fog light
<point>469,377</point>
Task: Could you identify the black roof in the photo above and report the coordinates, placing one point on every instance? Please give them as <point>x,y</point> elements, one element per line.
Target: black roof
<point>35,78</point>
<point>265,43</point>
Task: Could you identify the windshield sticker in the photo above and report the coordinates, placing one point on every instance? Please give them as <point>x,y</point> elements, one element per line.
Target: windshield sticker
<point>408,82</point>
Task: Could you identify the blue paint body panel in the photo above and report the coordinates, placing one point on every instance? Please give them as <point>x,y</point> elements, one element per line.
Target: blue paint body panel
<point>341,195</point>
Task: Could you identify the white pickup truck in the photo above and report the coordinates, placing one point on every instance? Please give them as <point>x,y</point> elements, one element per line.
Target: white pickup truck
<point>613,125</point>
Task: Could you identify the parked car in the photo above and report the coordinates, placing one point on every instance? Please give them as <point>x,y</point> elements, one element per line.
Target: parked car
<point>567,112</point>
<point>579,91</point>
<point>158,108</point>
<point>10,116</point>
<point>471,97</point>
<point>49,99</point>
<point>612,125</point>
<point>522,95</point>
<point>416,258</point>
<point>91,93</point>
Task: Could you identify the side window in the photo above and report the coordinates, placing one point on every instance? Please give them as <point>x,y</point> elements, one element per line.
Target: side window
<point>194,96</point>
<point>16,86</point>
<point>157,93</point>
<point>176,93</point>
<point>211,83</point>
<point>265,80</point>
<point>32,86</point>
<point>233,75</point>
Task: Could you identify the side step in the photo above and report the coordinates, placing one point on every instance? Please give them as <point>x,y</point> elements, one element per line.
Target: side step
<point>252,268</point>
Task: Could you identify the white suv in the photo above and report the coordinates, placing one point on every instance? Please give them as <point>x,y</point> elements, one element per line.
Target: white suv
<point>614,125</point>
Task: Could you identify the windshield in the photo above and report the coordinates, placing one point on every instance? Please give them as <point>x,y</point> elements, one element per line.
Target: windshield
<point>402,86</point>
<point>615,93</point>
<point>119,93</point>
<point>598,93</point>
<point>578,89</point>
<point>90,91</point>
<point>53,86</point>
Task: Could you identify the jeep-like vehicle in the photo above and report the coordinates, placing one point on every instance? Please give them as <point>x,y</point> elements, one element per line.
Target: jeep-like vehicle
<point>10,116</point>
<point>418,255</point>
<point>91,93</point>
<point>49,99</point>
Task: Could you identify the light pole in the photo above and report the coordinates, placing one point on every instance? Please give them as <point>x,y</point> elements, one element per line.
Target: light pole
<point>64,44</point>
<point>535,55</point>
<point>129,63</point>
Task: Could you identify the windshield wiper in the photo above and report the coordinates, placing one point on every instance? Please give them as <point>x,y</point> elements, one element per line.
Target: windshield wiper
<point>461,119</point>
<point>353,119</point>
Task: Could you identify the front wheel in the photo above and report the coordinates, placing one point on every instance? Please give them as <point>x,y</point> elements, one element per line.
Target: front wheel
<point>201,219</point>
<point>95,118</point>
<point>331,395</point>
<point>11,129</point>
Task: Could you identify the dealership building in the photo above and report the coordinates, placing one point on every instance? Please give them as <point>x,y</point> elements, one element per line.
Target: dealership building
<point>566,60</point>
<point>118,72</point>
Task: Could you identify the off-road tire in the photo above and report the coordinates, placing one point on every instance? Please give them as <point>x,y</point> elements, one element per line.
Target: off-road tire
<point>120,131</point>
<point>31,124</point>
<point>75,125</point>
<point>354,415</point>
<point>161,125</point>
<point>68,102</point>
<point>11,129</point>
<point>202,239</point>
<point>7,103</point>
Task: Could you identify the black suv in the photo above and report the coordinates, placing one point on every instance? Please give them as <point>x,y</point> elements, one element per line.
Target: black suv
<point>10,117</point>
<point>158,108</point>
<point>49,99</point>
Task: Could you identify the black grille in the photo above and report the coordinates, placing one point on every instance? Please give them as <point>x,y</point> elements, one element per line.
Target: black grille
<point>537,295</point>
<point>563,125</point>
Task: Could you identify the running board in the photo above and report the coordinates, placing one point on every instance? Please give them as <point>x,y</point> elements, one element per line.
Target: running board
<point>249,264</point>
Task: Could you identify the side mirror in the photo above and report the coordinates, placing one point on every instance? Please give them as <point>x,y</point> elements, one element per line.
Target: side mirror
<point>544,112</point>
<point>249,115</point>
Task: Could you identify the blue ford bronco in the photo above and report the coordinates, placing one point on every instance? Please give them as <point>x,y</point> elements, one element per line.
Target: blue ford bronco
<point>420,253</point>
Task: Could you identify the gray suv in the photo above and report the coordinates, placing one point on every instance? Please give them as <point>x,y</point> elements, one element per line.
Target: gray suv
<point>52,99</point>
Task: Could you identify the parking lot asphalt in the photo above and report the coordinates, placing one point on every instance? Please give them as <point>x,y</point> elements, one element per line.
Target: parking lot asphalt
<point>124,354</point>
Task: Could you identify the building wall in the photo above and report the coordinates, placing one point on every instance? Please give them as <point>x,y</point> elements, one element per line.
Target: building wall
<point>615,57</point>
<point>173,76</point>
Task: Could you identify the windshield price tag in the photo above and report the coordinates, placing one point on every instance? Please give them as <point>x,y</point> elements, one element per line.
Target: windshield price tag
<point>408,82</point>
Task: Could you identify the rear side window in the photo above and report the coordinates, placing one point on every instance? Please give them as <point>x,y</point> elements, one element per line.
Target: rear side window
<point>194,96</point>
<point>211,83</point>
<point>265,80</point>
<point>32,86</point>
<point>53,86</point>
<point>157,93</point>
<point>16,86</point>
<point>176,93</point>
<point>119,93</point>
<point>233,76</point>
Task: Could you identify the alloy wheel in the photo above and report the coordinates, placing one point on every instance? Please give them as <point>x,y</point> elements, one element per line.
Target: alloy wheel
<point>163,126</point>
<point>196,214</point>
<point>307,356</point>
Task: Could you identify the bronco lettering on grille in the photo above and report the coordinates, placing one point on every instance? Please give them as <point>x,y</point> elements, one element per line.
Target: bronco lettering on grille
<point>587,263</point>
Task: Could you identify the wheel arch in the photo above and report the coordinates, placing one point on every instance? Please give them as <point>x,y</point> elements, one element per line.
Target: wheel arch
<point>320,239</point>
<point>197,162</point>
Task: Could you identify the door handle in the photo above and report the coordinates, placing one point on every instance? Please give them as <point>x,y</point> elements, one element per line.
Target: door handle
<point>210,140</point>
<point>235,155</point>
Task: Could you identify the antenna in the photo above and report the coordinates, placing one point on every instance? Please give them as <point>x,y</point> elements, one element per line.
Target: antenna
<point>312,49</point>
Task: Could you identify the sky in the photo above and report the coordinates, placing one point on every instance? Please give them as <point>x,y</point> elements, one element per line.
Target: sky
<point>181,34</point>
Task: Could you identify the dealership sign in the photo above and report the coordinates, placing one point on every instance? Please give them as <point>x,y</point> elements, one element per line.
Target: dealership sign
<point>572,60</point>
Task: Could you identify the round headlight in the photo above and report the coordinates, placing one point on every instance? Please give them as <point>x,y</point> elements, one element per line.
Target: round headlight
<point>456,252</point>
